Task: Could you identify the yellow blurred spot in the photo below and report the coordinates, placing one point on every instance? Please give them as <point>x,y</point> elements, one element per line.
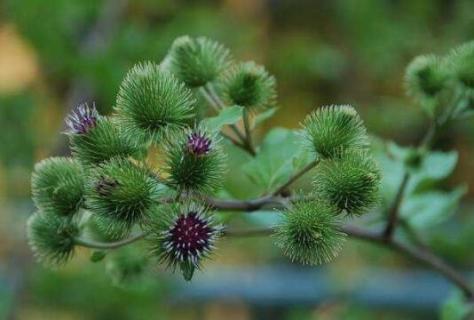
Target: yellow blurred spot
<point>18,63</point>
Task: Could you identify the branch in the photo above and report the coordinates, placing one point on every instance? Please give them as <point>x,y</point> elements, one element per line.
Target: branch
<point>296,176</point>
<point>393,212</point>
<point>108,245</point>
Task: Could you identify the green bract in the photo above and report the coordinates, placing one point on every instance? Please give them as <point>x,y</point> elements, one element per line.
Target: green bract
<point>194,161</point>
<point>103,142</point>
<point>249,85</point>
<point>152,101</point>
<point>197,61</point>
<point>349,182</point>
<point>58,186</point>
<point>122,191</point>
<point>309,233</point>
<point>334,128</point>
<point>51,237</point>
<point>425,78</point>
<point>461,60</point>
<point>181,235</point>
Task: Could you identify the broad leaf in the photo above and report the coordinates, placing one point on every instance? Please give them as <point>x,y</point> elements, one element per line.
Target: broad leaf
<point>430,208</point>
<point>261,117</point>
<point>229,115</point>
<point>275,162</point>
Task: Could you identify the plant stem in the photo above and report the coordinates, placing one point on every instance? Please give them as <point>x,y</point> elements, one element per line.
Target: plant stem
<point>296,176</point>
<point>211,92</point>
<point>248,132</point>
<point>108,245</point>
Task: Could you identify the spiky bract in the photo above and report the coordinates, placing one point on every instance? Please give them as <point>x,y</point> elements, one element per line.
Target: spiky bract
<point>197,61</point>
<point>122,191</point>
<point>58,186</point>
<point>249,85</point>
<point>426,77</point>
<point>102,142</point>
<point>51,237</point>
<point>334,128</point>
<point>181,235</point>
<point>151,102</point>
<point>350,182</point>
<point>194,161</point>
<point>461,60</point>
<point>104,228</point>
<point>309,233</point>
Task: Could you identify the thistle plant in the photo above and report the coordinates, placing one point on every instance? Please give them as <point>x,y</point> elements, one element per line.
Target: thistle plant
<point>156,169</point>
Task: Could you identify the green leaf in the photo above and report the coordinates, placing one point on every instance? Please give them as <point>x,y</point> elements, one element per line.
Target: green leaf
<point>456,307</point>
<point>97,255</point>
<point>435,167</point>
<point>261,117</point>
<point>274,164</point>
<point>265,217</point>
<point>428,209</point>
<point>229,115</point>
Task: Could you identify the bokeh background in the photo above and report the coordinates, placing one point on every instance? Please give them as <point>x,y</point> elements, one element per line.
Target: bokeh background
<point>56,54</point>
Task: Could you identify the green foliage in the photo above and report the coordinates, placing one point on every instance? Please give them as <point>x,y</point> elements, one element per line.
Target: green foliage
<point>103,142</point>
<point>194,161</point>
<point>151,102</point>
<point>309,233</point>
<point>127,265</point>
<point>274,163</point>
<point>249,85</point>
<point>350,182</point>
<point>51,237</point>
<point>332,129</point>
<point>122,192</point>
<point>457,307</point>
<point>229,115</point>
<point>181,235</point>
<point>197,61</point>
<point>58,186</point>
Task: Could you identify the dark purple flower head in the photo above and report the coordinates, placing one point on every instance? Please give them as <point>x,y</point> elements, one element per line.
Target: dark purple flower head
<point>190,238</point>
<point>83,119</point>
<point>105,185</point>
<point>198,143</point>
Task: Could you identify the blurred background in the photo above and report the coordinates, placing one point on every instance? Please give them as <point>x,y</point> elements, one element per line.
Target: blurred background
<point>57,54</point>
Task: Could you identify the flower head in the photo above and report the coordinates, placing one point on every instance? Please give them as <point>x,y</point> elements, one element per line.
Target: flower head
<point>181,235</point>
<point>83,119</point>
<point>198,143</point>
<point>309,233</point>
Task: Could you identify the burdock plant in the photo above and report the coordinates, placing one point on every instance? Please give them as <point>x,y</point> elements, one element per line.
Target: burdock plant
<point>152,169</point>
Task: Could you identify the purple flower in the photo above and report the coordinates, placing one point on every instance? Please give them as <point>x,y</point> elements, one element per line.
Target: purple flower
<point>83,119</point>
<point>190,238</point>
<point>198,143</point>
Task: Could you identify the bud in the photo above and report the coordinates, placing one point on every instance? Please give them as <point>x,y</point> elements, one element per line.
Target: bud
<point>425,78</point>
<point>123,192</point>
<point>197,61</point>
<point>332,129</point>
<point>151,101</point>
<point>194,161</point>
<point>249,85</point>
<point>51,237</point>
<point>95,139</point>
<point>58,186</point>
<point>182,235</point>
<point>350,182</point>
<point>82,120</point>
<point>461,60</point>
<point>309,233</point>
